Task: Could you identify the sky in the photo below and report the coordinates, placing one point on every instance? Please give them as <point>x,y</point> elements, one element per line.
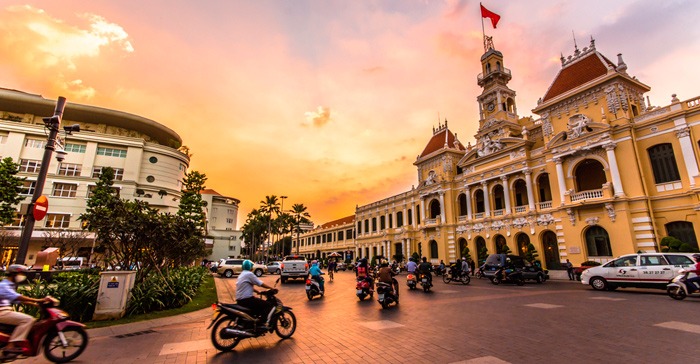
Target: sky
<point>326,102</point>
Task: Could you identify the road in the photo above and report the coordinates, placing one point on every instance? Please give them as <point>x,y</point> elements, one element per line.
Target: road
<point>558,321</point>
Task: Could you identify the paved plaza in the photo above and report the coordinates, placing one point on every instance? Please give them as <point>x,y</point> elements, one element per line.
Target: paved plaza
<point>556,322</point>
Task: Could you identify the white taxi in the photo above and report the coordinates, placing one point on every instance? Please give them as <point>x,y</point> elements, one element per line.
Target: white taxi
<point>646,270</point>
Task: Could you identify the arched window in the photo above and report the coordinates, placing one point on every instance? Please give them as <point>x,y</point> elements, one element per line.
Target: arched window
<point>399,219</point>
<point>543,187</point>
<point>488,68</point>
<point>520,192</point>
<point>479,197</point>
<point>498,65</point>
<point>683,231</point>
<point>598,242</point>
<point>462,204</point>
<point>409,216</point>
<point>590,175</point>
<point>462,243</point>
<point>434,208</point>
<point>663,163</point>
<point>501,245</point>
<point>498,197</point>
<point>481,251</point>
<point>433,249</point>
<point>523,242</point>
<point>418,214</point>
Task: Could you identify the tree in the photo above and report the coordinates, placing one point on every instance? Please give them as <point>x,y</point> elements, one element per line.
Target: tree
<point>483,254</point>
<point>10,189</point>
<point>672,244</point>
<point>190,226</point>
<point>531,253</point>
<point>191,203</point>
<point>466,253</point>
<point>301,216</point>
<point>254,231</point>
<point>268,207</point>
<point>504,249</point>
<point>416,257</point>
<point>68,242</point>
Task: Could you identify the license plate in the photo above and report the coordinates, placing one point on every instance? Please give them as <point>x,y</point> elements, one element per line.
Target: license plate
<point>308,288</point>
<point>381,296</point>
<point>359,291</point>
<point>425,280</point>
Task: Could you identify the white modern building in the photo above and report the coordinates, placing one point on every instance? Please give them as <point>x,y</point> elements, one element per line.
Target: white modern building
<point>144,154</point>
<point>223,239</point>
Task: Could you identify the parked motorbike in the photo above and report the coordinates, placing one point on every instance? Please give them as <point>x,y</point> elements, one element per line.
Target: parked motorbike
<point>313,288</point>
<point>386,294</point>
<point>364,289</point>
<point>63,340</point>
<point>232,323</point>
<point>425,283</point>
<point>505,276</point>
<point>411,281</point>
<point>457,276</point>
<point>678,288</point>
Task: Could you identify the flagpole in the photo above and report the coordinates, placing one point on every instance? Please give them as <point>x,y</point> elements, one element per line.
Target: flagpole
<point>483,32</point>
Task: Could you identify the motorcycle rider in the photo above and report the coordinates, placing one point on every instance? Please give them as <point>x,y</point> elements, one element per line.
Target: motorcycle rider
<point>386,275</point>
<point>16,273</point>
<point>315,273</point>
<point>465,266</point>
<point>411,267</point>
<point>245,293</point>
<point>441,267</point>
<point>690,282</point>
<point>363,272</point>
<point>426,268</point>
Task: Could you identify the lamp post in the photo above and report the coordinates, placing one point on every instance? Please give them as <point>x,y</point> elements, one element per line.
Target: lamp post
<point>53,123</point>
<point>282,211</point>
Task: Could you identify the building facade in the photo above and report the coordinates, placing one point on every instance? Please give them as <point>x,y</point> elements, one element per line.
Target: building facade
<point>598,174</point>
<point>223,239</point>
<point>337,236</point>
<point>144,154</point>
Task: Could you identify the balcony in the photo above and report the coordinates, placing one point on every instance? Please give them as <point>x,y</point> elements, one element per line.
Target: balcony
<point>520,209</point>
<point>430,221</point>
<point>545,205</point>
<point>462,218</point>
<point>586,195</point>
<point>479,215</point>
<point>498,212</point>
<point>481,76</point>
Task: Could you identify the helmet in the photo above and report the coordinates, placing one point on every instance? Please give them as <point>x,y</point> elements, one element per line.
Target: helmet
<point>464,258</point>
<point>17,268</point>
<point>314,262</point>
<point>384,263</point>
<point>247,264</point>
<point>696,256</point>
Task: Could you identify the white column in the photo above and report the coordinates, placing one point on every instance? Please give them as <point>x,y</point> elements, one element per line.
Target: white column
<point>408,248</point>
<point>691,165</point>
<point>442,207</point>
<point>530,195</point>
<point>487,203</point>
<point>498,96</point>
<point>469,203</point>
<point>405,217</point>
<point>422,211</point>
<point>506,194</point>
<point>560,179</point>
<point>615,171</point>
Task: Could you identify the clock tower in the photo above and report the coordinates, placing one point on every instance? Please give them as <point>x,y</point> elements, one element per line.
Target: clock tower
<point>497,101</point>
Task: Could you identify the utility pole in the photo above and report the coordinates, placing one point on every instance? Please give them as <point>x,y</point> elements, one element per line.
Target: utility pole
<point>52,123</point>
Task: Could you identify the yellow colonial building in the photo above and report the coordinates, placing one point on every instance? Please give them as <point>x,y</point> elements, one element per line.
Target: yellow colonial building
<point>599,174</point>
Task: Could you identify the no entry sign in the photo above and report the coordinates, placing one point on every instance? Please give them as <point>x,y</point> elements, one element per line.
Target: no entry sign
<point>41,207</point>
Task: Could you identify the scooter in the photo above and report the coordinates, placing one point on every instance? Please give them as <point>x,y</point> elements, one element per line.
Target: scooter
<point>425,283</point>
<point>313,288</point>
<point>503,276</point>
<point>232,323</point>
<point>678,288</point>
<point>457,276</point>
<point>364,289</point>
<point>386,295</point>
<point>411,281</point>
<point>63,340</point>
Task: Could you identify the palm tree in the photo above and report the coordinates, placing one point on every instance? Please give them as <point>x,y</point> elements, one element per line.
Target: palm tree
<point>254,231</point>
<point>301,216</point>
<point>269,206</point>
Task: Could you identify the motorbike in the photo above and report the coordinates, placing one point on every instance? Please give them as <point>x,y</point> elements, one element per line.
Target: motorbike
<point>678,288</point>
<point>396,269</point>
<point>457,276</point>
<point>364,289</point>
<point>232,323</point>
<point>440,271</point>
<point>411,281</point>
<point>313,288</point>
<point>386,295</point>
<point>425,283</point>
<point>502,276</point>
<point>63,340</point>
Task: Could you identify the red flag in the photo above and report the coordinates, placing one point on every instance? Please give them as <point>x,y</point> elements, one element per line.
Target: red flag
<point>485,13</point>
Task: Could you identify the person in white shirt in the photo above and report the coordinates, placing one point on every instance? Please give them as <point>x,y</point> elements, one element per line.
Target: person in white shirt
<point>16,273</point>
<point>245,293</point>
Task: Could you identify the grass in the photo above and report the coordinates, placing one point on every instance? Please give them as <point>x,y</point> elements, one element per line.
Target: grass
<point>204,298</point>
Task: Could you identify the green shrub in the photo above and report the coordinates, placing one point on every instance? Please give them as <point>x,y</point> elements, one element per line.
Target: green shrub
<point>77,292</point>
<point>173,289</point>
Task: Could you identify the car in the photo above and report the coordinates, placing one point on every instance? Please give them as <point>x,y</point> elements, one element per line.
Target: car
<point>530,271</point>
<point>273,267</point>
<point>341,266</point>
<point>292,267</point>
<point>230,267</point>
<point>643,270</point>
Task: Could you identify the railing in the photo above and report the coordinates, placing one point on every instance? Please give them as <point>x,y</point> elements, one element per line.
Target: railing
<point>430,221</point>
<point>585,195</point>
<point>479,215</point>
<point>462,218</point>
<point>545,205</point>
<point>502,69</point>
<point>498,212</point>
<point>693,103</point>
<point>519,209</point>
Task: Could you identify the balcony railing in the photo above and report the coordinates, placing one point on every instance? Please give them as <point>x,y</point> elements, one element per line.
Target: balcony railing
<point>481,76</point>
<point>462,218</point>
<point>586,195</point>
<point>519,209</point>
<point>498,212</point>
<point>479,215</point>
<point>545,205</point>
<point>430,221</point>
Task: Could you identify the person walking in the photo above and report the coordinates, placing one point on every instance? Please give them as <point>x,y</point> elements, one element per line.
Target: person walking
<point>570,270</point>
<point>472,265</point>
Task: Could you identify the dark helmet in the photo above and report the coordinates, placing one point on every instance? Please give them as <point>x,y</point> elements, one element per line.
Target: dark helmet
<point>17,268</point>
<point>696,256</point>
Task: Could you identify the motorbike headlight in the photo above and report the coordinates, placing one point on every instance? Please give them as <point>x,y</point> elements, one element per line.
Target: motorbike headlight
<point>63,315</point>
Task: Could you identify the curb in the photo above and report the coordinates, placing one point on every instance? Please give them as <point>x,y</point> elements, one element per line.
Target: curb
<point>133,327</point>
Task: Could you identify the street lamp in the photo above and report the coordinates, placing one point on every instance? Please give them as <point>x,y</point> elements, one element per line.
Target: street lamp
<point>282,211</point>
<point>52,123</point>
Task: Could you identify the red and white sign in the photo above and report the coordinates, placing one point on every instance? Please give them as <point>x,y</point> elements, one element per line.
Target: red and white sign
<point>41,207</point>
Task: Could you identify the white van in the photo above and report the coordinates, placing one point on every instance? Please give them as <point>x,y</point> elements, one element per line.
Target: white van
<point>71,263</point>
<point>645,270</point>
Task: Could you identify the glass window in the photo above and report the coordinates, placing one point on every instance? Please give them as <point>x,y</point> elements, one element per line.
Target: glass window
<point>19,220</point>
<point>598,242</point>
<point>111,152</point>
<point>91,190</point>
<point>399,219</point>
<point>409,215</point>
<point>28,188</point>
<point>677,260</point>
<point>683,231</point>
<point>433,249</point>
<point>153,160</point>
<point>630,261</point>
<point>35,143</point>
<point>69,169</point>
<point>64,190</point>
<point>374,224</point>
<point>340,235</point>
<point>382,222</point>
<point>649,260</point>
<point>57,221</point>
<point>74,148</point>
<point>663,163</point>
<point>29,166</point>
<point>118,173</point>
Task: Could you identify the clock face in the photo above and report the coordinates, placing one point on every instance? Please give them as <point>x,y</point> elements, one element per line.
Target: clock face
<point>490,106</point>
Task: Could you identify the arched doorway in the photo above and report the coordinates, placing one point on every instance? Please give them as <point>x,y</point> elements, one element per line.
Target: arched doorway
<point>552,260</point>
<point>598,242</point>
<point>433,249</point>
<point>481,251</point>
<point>590,175</point>
<point>520,193</point>
<point>434,209</point>
<point>523,241</point>
<point>462,244</point>
<point>501,245</point>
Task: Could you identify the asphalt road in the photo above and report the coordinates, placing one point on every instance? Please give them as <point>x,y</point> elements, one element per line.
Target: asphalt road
<point>554,322</point>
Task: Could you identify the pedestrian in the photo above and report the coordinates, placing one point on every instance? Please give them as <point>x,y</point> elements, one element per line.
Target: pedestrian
<point>570,270</point>
<point>472,265</point>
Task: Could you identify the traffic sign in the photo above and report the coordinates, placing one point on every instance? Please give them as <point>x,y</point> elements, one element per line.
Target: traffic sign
<point>41,207</point>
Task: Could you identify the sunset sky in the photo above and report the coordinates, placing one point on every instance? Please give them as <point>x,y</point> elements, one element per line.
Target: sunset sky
<point>327,102</point>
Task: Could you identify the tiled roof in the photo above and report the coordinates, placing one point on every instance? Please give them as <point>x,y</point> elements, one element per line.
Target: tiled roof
<point>578,73</point>
<point>209,191</point>
<point>437,142</point>
<point>343,221</point>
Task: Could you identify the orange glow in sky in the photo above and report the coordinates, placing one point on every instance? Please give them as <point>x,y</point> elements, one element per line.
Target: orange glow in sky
<point>328,103</point>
